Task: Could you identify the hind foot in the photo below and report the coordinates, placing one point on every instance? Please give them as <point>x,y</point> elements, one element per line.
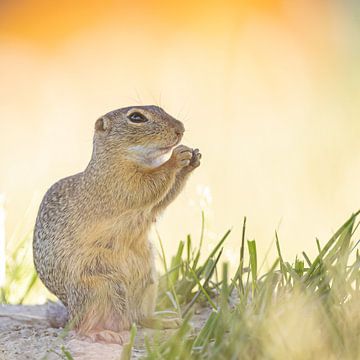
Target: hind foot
<point>109,337</point>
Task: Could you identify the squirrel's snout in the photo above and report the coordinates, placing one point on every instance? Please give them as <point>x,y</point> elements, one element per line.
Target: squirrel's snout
<point>179,128</point>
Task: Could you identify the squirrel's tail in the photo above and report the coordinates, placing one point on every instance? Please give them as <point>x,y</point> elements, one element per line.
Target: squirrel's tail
<point>57,314</point>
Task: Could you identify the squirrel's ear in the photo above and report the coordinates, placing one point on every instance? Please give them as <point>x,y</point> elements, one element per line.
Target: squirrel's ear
<point>102,124</point>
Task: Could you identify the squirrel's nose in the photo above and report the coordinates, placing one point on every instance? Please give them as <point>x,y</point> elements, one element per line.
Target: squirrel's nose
<point>179,128</point>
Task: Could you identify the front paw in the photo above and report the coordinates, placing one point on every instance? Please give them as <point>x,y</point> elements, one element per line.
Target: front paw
<point>181,157</point>
<point>194,161</point>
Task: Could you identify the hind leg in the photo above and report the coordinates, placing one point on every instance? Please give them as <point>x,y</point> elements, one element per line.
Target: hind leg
<point>98,309</point>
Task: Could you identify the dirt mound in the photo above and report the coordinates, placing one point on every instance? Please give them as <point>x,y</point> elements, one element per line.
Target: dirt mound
<point>26,334</point>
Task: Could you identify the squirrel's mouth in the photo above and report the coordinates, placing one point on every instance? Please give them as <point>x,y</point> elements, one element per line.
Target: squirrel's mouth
<point>165,149</point>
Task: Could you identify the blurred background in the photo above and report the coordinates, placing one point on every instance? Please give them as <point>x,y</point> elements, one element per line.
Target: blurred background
<point>268,90</point>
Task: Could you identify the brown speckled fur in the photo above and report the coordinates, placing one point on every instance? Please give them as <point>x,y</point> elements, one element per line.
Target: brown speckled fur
<point>91,246</point>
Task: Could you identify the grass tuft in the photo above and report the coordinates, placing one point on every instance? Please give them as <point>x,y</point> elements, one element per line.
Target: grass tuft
<point>302,309</point>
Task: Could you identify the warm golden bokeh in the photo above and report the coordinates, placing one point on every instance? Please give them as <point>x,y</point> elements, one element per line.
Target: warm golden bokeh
<point>268,90</point>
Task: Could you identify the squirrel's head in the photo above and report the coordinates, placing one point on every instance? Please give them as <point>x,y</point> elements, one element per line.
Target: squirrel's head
<point>140,133</point>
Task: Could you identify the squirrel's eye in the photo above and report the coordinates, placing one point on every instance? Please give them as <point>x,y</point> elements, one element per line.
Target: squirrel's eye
<point>137,118</point>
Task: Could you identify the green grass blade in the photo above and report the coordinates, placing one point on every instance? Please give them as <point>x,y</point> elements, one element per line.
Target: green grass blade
<point>192,302</point>
<point>127,348</point>
<point>176,263</point>
<point>240,270</point>
<point>215,250</point>
<point>203,290</point>
<point>253,263</point>
<point>307,259</point>
<point>282,265</point>
<point>207,330</point>
<point>329,244</point>
<point>66,353</point>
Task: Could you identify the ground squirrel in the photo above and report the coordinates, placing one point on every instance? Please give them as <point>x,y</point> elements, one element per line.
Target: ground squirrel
<point>91,246</point>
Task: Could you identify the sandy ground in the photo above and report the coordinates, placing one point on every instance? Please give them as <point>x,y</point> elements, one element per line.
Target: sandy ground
<point>25,334</point>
